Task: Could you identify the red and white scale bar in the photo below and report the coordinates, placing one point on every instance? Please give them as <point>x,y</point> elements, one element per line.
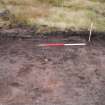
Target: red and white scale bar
<point>62,44</point>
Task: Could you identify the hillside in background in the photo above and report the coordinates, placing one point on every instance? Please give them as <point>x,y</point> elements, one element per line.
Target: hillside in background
<point>72,14</point>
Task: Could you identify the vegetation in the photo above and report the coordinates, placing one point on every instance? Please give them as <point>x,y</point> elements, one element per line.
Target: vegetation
<point>73,14</point>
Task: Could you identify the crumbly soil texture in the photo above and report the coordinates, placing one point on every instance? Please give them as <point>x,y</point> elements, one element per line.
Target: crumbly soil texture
<point>69,75</point>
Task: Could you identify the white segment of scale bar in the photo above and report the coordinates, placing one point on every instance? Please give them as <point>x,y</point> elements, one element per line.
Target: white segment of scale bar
<point>77,44</point>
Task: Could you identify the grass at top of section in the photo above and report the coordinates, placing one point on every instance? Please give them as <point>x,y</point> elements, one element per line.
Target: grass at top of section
<point>73,14</point>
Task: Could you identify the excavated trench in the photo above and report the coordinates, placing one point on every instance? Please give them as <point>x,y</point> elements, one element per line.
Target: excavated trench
<point>31,75</point>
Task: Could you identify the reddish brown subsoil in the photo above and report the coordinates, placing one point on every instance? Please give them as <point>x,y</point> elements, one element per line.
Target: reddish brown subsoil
<point>31,75</point>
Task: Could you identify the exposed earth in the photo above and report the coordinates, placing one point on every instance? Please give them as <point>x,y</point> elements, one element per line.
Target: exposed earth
<point>31,75</point>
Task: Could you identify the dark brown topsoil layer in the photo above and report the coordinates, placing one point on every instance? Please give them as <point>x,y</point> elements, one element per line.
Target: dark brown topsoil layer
<point>31,75</point>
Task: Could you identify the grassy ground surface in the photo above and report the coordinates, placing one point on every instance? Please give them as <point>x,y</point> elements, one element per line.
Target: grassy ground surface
<point>73,14</point>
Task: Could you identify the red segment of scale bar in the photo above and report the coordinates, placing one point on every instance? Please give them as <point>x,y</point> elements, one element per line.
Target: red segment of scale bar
<point>55,44</point>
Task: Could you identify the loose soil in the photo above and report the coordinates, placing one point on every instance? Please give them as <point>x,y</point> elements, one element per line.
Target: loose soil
<point>31,75</point>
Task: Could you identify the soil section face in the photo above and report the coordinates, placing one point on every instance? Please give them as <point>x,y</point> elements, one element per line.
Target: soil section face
<point>31,75</point>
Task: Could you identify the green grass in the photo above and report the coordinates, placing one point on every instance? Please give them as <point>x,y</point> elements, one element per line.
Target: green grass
<point>73,14</point>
